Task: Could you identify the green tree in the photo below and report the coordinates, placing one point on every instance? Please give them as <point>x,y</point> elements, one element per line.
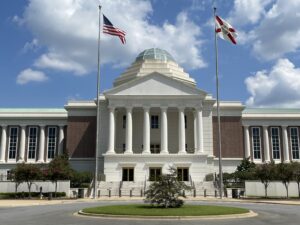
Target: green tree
<point>296,174</point>
<point>27,173</point>
<point>59,169</point>
<point>245,171</point>
<point>265,173</point>
<point>166,191</point>
<point>284,173</point>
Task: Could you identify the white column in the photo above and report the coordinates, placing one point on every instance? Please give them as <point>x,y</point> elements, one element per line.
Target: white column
<point>266,144</point>
<point>247,142</point>
<point>285,144</point>
<point>181,131</point>
<point>195,131</point>
<point>42,144</point>
<point>3,143</point>
<point>199,130</point>
<point>61,140</point>
<point>22,144</point>
<point>111,138</point>
<point>128,131</point>
<point>146,131</point>
<point>164,131</point>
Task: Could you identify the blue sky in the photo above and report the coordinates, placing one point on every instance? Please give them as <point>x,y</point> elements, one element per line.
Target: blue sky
<point>48,49</point>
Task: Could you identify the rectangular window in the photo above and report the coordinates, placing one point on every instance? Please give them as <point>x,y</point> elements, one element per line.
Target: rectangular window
<point>154,174</point>
<point>275,139</point>
<point>154,122</point>
<point>124,121</point>
<point>13,142</point>
<point>32,142</point>
<point>155,149</point>
<point>128,174</point>
<point>294,136</point>
<point>183,174</point>
<point>51,142</point>
<point>256,144</point>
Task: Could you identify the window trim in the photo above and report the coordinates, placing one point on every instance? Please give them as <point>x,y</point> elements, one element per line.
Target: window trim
<point>36,144</point>
<point>9,144</point>
<point>55,149</point>
<point>154,125</point>
<point>279,143</point>
<point>291,146</point>
<point>252,140</point>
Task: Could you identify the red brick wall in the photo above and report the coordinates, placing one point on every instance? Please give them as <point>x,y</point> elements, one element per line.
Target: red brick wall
<point>231,136</point>
<point>81,136</point>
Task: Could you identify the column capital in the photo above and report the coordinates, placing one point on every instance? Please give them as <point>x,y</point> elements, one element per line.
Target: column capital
<point>265,126</point>
<point>198,107</point>
<point>181,108</point>
<point>129,108</point>
<point>42,125</point>
<point>23,125</point>
<point>111,107</point>
<point>4,125</point>
<point>61,125</point>
<point>164,108</point>
<point>284,126</point>
<point>146,108</point>
<point>246,126</point>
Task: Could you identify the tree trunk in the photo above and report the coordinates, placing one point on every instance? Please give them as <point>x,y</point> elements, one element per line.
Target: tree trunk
<point>29,189</point>
<point>266,190</point>
<point>287,189</point>
<point>55,188</point>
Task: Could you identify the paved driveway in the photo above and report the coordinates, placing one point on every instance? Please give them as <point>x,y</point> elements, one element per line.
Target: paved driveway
<point>63,215</point>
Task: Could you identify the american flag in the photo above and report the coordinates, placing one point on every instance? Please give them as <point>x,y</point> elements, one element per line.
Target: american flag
<point>108,28</point>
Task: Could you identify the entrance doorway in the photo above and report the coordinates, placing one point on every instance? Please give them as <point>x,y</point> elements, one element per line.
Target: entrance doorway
<point>128,174</point>
<point>154,174</point>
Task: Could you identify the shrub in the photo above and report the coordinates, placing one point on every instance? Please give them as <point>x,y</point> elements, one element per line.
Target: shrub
<point>166,191</point>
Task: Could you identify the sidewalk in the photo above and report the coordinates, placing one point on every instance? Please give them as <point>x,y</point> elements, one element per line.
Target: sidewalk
<point>29,202</point>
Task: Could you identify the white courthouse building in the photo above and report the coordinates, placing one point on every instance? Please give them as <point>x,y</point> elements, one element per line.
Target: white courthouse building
<point>154,117</point>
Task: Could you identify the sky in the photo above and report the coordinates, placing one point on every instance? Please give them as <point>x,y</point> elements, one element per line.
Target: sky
<point>48,49</point>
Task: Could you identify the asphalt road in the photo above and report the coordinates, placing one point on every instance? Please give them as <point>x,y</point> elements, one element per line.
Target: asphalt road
<point>63,215</point>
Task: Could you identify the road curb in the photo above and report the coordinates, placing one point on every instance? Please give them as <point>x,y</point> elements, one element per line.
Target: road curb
<point>130,217</point>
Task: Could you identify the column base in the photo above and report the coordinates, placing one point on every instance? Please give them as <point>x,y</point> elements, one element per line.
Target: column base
<point>20,161</point>
<point>128,152</point>
<point>182,152</point>
<point>164,152</point>
<point>2,161</point>
<point>287,161</point>
<point>40,161</point>
<point>110,152</point>
<point>146,152</point>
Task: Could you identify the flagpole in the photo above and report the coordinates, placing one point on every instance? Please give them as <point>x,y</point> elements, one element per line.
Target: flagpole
<point>98,111</point>
<point>218,114</point>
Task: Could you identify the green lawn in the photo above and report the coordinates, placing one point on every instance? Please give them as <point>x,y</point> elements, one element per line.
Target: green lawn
<point>147,210</point>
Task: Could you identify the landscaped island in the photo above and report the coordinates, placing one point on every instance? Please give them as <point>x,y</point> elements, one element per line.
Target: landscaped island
<point>148,210</point>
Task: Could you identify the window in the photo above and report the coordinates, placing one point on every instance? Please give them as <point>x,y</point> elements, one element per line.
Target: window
<point>154,122</point>
<point>124,147</point>
<point>154,174</point>
<point>256,146</point>
<point>183,174</point>
<point>32,142</point>
<point>51,142</point>
<point>13,142</point>
<point>185,122</point>
<point>294,136</point>
<point>124,121</point>
<point>275,142</point>
<point>155,149</point>
<point>128,174</point>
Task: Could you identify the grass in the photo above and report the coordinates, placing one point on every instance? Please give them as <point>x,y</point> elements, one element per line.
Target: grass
<point>148,210</point>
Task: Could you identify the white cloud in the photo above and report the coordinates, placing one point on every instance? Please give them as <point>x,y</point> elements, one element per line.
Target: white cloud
<point>245,11</point>
<point>279,31</point>
<point>69,30</point>
<point>278,87</point>
<point>29,75</point>
<point>268,26</point>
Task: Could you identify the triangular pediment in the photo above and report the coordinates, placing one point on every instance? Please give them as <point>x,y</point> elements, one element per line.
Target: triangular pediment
<point>155,84</point>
